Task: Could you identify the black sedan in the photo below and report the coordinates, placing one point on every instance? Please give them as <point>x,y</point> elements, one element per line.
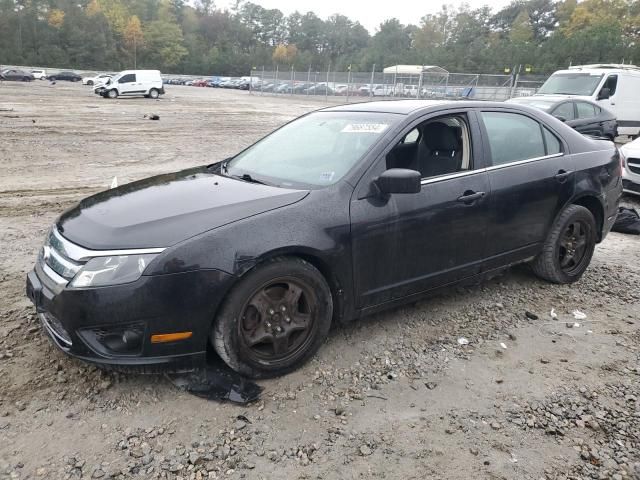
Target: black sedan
<point>13,74</point>
<point>67,76</point>
<point>338,214</point>
<point>585,116</point>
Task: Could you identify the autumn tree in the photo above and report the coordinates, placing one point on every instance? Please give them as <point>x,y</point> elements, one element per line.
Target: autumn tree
<point>134,37</point>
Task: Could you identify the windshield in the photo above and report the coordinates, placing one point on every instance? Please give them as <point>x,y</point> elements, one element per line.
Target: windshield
<point>315,150</point>
<point>571,84</point>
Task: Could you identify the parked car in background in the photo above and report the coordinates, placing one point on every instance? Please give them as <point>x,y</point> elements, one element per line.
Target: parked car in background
<point>319,89</point>
<point>16,75</point>
<point>341,89</point>
<point>612,87</point>
<point>39,74</point>
<point>200,82</point>
<point>414,196</point>
<point>147,83</point>
<point>585,116</point>
<point>67,76</point>
<point>631,170</point>
<point>96,79</point>
<point>284,87</point>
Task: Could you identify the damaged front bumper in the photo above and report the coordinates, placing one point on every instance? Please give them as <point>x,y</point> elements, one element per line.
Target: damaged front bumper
<point>113,326</point>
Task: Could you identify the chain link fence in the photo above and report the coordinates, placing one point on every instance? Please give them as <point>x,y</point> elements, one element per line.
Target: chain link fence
<point>358,86</point>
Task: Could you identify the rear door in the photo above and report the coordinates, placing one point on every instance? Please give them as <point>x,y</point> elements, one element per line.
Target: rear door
<point>587,119</point>
<point>530,178</point>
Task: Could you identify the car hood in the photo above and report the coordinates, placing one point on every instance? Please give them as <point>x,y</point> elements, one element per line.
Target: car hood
<point>164,210</point>
<point>631,149</point>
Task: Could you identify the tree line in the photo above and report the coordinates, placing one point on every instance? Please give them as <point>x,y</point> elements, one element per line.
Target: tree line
<point>179,37</point>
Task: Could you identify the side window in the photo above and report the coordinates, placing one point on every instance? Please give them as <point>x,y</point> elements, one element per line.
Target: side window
<point>553,144</point>
<point>585,110</point>
<point>129,78</point>
<point>412,136</point>
<point>564,110</point>
<point>512,137</point>
<point>436,147</point>
<point>611,83</point>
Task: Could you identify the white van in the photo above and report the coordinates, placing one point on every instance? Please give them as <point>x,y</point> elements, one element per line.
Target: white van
<point>615,87</point>
<point>147,83</point>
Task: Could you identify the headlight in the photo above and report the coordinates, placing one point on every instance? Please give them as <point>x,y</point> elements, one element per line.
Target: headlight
<point>102,271</point>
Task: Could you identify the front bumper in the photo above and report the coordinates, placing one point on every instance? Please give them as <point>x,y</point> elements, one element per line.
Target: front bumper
<point>83,322</point>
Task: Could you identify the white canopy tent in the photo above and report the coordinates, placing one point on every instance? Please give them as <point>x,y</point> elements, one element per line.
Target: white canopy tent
<point>414,69</point>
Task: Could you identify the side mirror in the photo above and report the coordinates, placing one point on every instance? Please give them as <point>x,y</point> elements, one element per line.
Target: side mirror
<point>561,118</point>
<point>398,180</point>
<point>604,93</point>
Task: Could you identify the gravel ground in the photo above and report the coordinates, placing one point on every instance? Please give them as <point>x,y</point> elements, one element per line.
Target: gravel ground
<point>392,396</point>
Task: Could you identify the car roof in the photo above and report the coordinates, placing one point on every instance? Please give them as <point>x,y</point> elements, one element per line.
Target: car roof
<point>407,107</point>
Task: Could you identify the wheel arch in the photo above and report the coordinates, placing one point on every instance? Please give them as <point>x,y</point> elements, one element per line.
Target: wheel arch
<point>594,205</point>
<point>315,258</point>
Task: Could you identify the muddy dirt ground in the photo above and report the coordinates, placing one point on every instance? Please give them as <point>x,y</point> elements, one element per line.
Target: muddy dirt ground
<point>391,396</point>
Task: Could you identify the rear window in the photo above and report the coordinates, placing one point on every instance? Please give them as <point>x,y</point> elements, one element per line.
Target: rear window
<point>553,144</point>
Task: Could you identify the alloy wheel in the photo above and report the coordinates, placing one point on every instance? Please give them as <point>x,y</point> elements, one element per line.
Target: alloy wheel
<point>277,321</point>
<point>573,246</point>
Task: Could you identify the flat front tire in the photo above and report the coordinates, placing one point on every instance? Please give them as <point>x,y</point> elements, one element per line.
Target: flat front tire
<point>567,252</point>
<point>274,319</point>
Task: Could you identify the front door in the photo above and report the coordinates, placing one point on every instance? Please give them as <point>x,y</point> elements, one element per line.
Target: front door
<point>411,243</point>
<point>127,84</point>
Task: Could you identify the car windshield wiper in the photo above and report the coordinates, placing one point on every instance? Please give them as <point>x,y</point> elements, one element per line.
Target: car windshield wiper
<point>248,178</point>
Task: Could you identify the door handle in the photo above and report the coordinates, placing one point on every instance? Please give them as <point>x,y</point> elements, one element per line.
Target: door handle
<point>470,196</point>
<point>562,175</point>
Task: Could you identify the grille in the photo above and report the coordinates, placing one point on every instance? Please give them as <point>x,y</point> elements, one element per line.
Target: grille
<point>53,254</point>
<point>634,165</point>
<point>54,326</point>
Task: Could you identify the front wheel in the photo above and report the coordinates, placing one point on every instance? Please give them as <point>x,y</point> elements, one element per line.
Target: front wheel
<point>90,82</point>
<point>275,319</point>
<point>153,93</point>
<point>112,94</point>
<point>569,247</point>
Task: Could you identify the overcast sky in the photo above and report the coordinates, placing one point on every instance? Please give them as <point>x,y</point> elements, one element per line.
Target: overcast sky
<point>369,13</point>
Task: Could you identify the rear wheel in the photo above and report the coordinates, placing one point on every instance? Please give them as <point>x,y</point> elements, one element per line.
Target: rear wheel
<point>90,82</point>
<point>275,319</point>
<point>153,93</point>
<point>569,247</point>
<point>112,94</point>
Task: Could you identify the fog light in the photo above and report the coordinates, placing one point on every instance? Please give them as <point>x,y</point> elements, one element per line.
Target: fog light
<point>125,339</point>
<point>125,342</point>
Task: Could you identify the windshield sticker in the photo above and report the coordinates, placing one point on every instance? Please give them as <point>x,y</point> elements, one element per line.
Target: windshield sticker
<point>365,128</point>
<point>327,176</point>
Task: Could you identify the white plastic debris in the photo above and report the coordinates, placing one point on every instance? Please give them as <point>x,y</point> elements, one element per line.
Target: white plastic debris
<point>463,341</point>
<point>503,345</point>
<point>578,315</point>
<point>114,182</point>
<point>553,314</point>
